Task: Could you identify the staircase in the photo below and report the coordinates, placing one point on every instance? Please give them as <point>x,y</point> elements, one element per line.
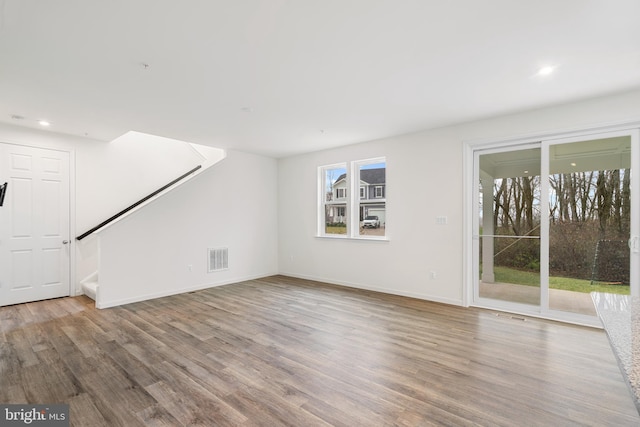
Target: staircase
<point>89,285</point>
<point>88,243</point>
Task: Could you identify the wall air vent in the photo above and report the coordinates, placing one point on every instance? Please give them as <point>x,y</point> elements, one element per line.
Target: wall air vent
<point>218,259</point>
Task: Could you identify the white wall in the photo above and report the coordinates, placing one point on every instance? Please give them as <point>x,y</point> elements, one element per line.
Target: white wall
<point>114,175</point>
<point>424,181</point>
<point>233,205</point>
<point>109,176</point>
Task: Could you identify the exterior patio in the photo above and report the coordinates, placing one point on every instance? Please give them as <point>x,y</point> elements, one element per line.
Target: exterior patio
<point>575,302</point>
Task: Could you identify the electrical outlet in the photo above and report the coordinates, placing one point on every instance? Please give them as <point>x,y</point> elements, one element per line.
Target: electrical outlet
<point>190,267</point>
<point>433,275</point>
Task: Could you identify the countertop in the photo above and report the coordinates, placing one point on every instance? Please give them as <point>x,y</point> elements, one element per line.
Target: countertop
<point>620,316</point>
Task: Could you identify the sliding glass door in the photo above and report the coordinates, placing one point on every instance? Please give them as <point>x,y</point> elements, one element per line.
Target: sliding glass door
<point>556,220</point>
<point>509,225</point>
<point>589,205</point>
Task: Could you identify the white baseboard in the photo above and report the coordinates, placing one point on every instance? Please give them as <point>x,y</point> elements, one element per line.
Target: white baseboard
<point>115,303</point>
<point>421,296</point>
<point>426,297</point>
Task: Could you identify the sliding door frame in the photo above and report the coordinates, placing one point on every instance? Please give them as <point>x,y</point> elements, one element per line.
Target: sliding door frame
<point>471,235</point>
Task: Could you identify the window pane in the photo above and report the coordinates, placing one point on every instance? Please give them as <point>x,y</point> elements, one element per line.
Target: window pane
<point>589,221</point>
<point>372,208</point>
<point>509,215</point>
<point>335,201</point>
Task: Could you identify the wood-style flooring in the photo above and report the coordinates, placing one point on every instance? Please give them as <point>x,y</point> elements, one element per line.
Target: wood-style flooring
<point>282,351</point>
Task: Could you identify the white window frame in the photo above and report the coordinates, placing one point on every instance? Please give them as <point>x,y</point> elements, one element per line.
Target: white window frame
<point>352,199</point>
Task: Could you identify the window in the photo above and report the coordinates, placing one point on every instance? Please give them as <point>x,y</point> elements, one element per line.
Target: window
<point>353,199</point>
<point>372,209</point>
<point>333,194</point>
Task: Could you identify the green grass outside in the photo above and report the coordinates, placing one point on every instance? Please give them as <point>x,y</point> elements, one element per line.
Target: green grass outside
<point>519,277</point>
<point>336,230</point>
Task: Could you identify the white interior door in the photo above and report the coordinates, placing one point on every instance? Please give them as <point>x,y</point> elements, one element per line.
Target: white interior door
<point>34,224</point>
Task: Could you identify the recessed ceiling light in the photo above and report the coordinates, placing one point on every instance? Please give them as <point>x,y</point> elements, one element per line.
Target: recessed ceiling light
<point>547,70</point>
<point>246,109</point>
<point>44,123</point>
<point>526,171</point>
<point>574,164</point>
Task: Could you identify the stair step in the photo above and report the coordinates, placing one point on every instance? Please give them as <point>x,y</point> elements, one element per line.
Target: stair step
<point>90,289</point>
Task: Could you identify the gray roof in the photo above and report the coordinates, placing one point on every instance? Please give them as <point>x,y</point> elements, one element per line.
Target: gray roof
<point>370,176</point>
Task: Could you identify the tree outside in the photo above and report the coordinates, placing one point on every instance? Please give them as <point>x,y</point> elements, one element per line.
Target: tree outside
<point>589,214</point>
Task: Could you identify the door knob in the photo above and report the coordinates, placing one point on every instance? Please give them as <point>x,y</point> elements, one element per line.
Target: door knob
<point>65,242</point>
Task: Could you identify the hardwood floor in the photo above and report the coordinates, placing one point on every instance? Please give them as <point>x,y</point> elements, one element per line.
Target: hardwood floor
<point>283,351</point>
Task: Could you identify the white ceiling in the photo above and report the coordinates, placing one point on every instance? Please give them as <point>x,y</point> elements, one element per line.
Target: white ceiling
<point>282,77</point>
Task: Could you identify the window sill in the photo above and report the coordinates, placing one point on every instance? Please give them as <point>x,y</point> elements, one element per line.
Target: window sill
<point>358,238</point>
